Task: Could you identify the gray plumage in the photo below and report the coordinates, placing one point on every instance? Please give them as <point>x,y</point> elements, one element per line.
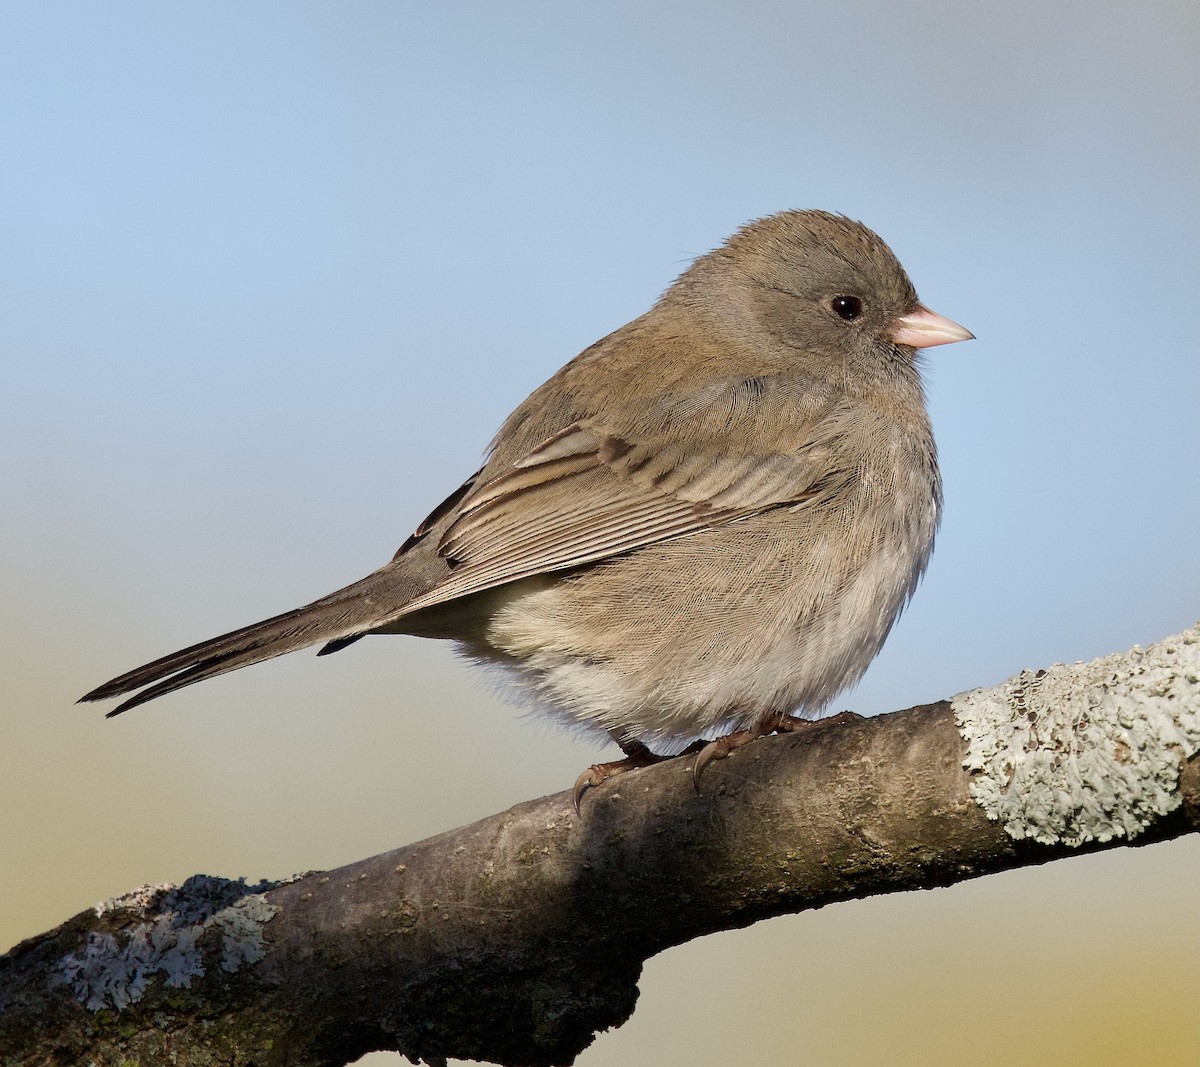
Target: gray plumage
<point>710,517</point>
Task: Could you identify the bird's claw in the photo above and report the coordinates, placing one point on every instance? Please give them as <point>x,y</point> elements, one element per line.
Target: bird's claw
<point>719,749</point>
<point>776,724</point>
<point>636,755</point>
<point>590,778</point>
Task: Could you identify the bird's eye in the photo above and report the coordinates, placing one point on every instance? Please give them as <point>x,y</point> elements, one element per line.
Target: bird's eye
<point>846,307</point>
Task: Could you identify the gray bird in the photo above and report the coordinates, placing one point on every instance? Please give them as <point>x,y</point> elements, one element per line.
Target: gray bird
<point>707,521</point>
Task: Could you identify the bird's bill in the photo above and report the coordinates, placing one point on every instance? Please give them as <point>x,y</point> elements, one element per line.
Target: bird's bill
<point>923,328</point>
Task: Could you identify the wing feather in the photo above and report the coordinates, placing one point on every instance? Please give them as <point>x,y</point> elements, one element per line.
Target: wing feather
<point>587,493</point>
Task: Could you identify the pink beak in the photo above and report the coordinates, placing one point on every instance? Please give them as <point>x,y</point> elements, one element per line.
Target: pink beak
<point>923,328</point>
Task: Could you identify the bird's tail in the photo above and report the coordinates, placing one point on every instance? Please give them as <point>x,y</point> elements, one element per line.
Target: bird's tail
<point>338,618</point>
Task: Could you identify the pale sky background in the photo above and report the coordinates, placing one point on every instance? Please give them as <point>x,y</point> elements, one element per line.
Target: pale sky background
<point>271,275</point>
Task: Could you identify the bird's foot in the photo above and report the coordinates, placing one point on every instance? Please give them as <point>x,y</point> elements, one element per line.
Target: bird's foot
<point>636,755</point>
<point>775,724</point>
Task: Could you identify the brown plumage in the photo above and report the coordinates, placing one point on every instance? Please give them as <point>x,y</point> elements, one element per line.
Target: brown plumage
<point>709,519</point>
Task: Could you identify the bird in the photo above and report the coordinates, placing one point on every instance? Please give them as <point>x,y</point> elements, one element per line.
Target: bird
<point>707,522</point>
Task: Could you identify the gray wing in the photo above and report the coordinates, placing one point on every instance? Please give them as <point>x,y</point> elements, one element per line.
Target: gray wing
<point>589,493</point>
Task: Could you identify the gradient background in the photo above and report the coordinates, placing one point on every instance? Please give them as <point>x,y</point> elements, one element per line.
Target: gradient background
<point>272,274</point>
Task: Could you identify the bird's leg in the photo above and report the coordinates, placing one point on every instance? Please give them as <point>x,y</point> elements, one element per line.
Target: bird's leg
<point>776,723</point>
<point>636,755</point>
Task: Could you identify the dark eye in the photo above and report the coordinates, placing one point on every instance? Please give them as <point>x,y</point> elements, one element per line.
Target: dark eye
<point>846,307</point>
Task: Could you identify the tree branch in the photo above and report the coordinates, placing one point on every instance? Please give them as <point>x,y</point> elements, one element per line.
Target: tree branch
<point>515,939</point>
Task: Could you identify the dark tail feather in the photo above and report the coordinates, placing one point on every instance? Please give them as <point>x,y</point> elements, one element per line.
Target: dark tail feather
<point>338,618</point>
<point>338,644</point>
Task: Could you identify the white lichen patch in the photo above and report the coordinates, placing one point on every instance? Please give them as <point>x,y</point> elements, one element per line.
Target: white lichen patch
<point>114,969</point>
<point>1085,752</point>
<point>140,899</point>
<point>241,930</point>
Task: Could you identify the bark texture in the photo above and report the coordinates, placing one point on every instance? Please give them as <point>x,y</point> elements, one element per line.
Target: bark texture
<point>516,939</point>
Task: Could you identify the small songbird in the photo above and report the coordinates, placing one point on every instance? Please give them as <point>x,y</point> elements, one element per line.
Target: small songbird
<point>707,521</point>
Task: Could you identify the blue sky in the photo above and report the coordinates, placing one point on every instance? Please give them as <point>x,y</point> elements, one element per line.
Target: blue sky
<point>271,275</point>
